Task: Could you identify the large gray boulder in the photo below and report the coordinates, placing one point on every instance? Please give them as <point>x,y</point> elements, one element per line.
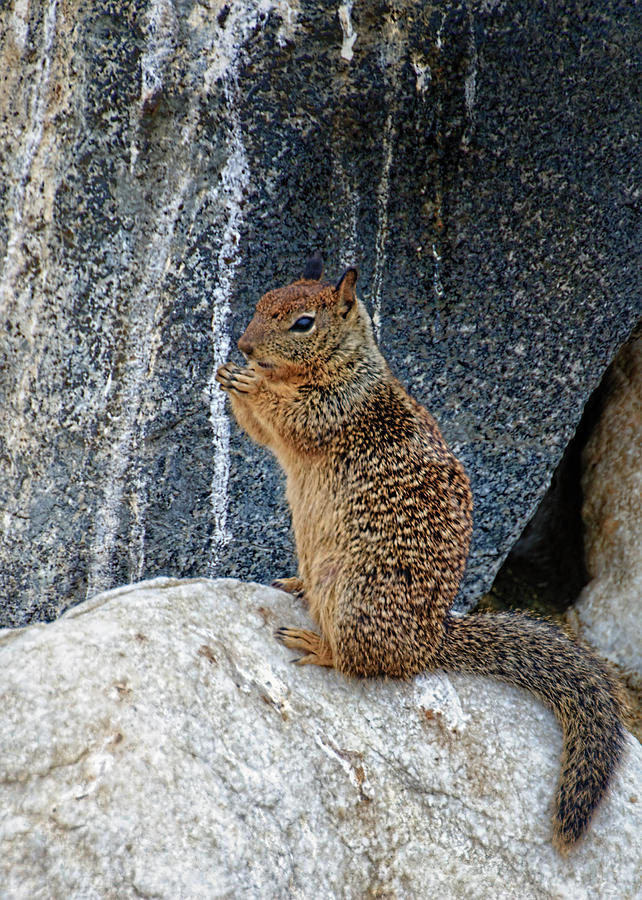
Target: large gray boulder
<point>608,609</point>
<point>157,742</point>
<point>163,164</point>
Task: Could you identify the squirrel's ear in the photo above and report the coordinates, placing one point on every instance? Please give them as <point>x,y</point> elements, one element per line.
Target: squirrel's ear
<point>345,290</point>
<point>313,268</point>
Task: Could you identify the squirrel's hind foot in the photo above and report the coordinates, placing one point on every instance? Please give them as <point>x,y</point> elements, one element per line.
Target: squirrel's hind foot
<point>317,651</point>
<point>292,586</point>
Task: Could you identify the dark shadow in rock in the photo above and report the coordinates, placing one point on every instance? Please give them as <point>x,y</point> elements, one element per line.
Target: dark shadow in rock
<point>545,570</point>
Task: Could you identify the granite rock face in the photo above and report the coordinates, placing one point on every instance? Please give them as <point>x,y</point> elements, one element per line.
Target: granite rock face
<point>608,609</point>
<point>163,163</point>
<point>157,742</point>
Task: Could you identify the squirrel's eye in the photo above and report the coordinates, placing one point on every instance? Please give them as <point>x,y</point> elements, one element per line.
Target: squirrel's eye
<point>302,324</point>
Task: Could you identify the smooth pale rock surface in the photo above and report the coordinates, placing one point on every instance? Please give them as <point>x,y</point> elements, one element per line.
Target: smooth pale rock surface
<point>162,164</point>
<point>157,742</point>
<point>609,607</point>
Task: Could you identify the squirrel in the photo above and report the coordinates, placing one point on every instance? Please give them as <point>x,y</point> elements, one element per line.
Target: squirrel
<point>382,519</point>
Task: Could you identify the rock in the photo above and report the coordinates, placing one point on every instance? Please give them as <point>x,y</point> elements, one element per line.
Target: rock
<point>608,609</point>
<point>157,741</point>
<point>164,164</point>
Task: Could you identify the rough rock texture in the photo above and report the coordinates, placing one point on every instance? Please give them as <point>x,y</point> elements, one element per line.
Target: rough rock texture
<point>609,607</point>
<point>164,162</point>
<point>156,741</point>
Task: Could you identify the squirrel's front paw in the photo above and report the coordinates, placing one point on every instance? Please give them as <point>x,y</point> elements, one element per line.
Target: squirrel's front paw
<point>237,379</point>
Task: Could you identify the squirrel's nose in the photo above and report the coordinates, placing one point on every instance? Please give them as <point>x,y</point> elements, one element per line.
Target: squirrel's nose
<point>245,345</point>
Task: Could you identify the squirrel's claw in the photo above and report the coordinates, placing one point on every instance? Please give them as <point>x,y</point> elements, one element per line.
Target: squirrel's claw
<point>292,586</point>
<point>283,635</point>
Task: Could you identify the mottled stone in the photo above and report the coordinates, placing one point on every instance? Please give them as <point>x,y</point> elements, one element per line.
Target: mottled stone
<point>156,741</point>
<point>164,163</point>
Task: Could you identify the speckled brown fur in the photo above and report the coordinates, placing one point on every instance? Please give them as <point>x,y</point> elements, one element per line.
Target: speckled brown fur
<point>382,517</point>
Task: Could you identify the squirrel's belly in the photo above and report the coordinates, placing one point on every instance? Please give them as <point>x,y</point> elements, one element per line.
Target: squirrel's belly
<point>317,534</point>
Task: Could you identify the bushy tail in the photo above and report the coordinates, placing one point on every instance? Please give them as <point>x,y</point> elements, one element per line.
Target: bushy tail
<point>538,656</point>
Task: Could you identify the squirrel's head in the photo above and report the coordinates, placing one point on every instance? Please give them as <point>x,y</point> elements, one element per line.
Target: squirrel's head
<point>308,325</point>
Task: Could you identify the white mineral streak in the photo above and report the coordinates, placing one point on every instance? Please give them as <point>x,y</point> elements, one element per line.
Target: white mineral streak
<point>37,113</point>
<point>142,335</point>
<point>289,11</point>
<point>17,295</point>
<point>161,36</point>
<point>233,182</point>
<point>241,20</point>
<point>423,75</point>
<point>393,48</point>
<point>20,22</point>
<point>437,284</point>
<point>234,179</point>
<point>470,83</point>
<point>383,193</point>
<point>228,193</point>
<point>470,92</point>
<point>161,30</point>
<point>349,34</point>
<point>141,339</point>
<point>347,210</point>
<point>222,55</point>
<point>173,751</point>
<point>438,287</point>
<point>31,142</point>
